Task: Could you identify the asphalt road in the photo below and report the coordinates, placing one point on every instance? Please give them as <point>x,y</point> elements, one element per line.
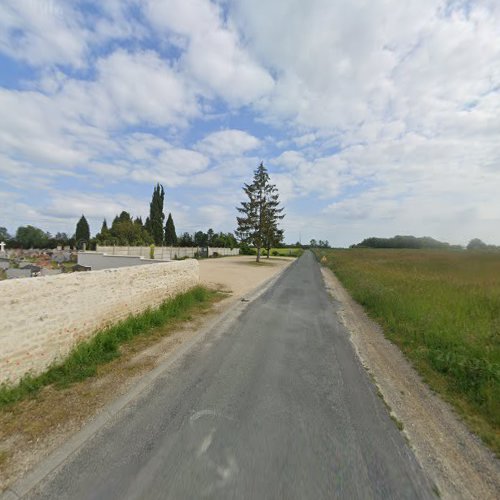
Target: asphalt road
<point>276,406</point>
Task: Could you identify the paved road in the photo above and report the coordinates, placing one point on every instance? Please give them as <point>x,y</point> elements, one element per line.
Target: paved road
<point>275,407</point>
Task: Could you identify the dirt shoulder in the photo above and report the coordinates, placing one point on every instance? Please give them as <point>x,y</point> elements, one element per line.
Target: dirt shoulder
<point>240,274</point>
<point>456,460</point>
<point>33,429</point>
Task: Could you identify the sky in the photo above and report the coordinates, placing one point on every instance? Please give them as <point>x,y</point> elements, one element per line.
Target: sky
<point>374,118</point>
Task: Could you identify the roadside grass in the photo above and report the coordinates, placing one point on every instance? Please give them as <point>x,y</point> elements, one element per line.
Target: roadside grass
<point>442,308</point>
<point>286,252</point>
<point>84,360</point>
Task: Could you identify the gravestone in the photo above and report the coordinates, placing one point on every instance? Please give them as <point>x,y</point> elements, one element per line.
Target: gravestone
<point>2,249</point>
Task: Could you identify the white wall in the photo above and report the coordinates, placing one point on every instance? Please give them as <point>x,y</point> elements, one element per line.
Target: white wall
<point>43,318</point>
<point>98,260</point>
<point>163,253</point>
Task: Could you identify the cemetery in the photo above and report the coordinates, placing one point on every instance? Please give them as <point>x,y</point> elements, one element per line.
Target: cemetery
<point>20,263</point>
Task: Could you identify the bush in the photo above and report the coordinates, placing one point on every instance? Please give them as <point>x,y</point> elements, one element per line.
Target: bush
<point>246,250</point>
<point>275,253</point>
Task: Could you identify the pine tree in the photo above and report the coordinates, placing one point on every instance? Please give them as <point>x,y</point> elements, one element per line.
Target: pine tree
<point>156,215</point>
<point>170,235</point>
<point>82,232</point>
<point>104,236</point>
<point>259,223</point>
<point>272,235</point>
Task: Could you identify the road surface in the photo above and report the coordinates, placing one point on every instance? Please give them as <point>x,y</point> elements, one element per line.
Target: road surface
<point>276,406</point>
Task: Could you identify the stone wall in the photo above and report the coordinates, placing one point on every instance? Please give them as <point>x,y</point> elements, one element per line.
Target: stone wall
<point>43,318</point>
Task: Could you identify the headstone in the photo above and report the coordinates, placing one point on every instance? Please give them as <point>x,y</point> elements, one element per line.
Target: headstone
<point>2,248</point>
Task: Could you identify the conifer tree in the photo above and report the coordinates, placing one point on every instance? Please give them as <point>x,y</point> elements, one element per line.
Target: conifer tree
<point>258,224</point>
<point>82,232</point>
<point>170,235</point>
<point>156,215</point>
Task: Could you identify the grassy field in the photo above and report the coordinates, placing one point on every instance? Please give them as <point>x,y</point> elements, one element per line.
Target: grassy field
<point>442,308</point>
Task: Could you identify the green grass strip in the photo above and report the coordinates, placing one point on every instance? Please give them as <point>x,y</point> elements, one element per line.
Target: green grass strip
<point>83,360</point>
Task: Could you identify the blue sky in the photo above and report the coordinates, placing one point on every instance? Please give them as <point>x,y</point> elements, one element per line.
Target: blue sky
<point>374,118</point>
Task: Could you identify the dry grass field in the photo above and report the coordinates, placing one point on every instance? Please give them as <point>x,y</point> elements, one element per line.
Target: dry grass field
<point>442,308</point>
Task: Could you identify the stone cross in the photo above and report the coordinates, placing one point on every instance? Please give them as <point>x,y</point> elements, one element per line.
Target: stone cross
<point>2,247</point>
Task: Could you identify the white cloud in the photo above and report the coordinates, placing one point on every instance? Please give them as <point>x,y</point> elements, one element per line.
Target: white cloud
<point>155,160</point>
<point>213,52</point>
<point>63,209</point>
<point>228,143</point>
<point>42,32</point>
<point>131,89</point>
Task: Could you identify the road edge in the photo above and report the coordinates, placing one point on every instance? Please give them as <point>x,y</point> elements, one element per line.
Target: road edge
<point>54,461</point>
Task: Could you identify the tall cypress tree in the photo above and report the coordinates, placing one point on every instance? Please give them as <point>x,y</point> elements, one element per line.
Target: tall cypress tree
<point>156,215</point>
<point>170,235</point>
<point>82,232</point>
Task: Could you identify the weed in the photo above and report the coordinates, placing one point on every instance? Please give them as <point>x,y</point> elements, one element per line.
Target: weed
<point>398,423</point>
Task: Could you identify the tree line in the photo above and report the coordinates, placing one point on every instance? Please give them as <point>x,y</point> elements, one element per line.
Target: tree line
<point>258,225</point>
<point>125,230</point>
<point>424,242</point>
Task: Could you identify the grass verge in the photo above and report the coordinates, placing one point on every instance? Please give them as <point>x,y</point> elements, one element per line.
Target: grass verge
<point>442,308</point>
<point>286,252</point>
<point>84,360</point>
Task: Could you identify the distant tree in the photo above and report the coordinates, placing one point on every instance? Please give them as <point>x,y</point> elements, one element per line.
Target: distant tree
<point>402,242</point>
<point>223,240</point>
<point>230,240</point>
<point>259,215</point>
<point>313,243</point>
<point>82,233</point>
<point>273,237</point>
<point>61,239</point>
<point>185,240</point>
<point>104,237</point>
<point>156,215</point>
<point>170,235</point>
<point>147,225</point>
<point>4,234</point>
<point>31,237</point>
<point>126,231</point>
<point>210,236</point>
<point>476,244</point>
<point>200,239</point>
